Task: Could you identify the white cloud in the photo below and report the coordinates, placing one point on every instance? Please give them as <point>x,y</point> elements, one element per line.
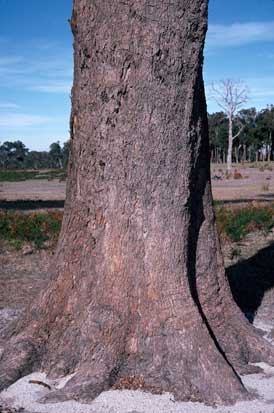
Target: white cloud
<point>8,105</point>
<point>21,120</point>
<point>37,73</point>
<point>57,87</point>
<point>238,34</point>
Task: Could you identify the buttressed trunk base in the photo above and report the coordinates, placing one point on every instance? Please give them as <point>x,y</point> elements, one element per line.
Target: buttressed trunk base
<point>138,293</point>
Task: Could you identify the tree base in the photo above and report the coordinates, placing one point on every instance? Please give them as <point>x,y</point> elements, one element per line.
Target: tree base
<point>188,365</point>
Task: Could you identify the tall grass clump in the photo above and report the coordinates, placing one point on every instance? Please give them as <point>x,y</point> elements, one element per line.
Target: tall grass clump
<point>36,227</point>
<point>235,223</point>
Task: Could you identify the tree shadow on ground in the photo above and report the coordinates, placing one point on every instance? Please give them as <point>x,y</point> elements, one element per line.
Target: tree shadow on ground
<point>251,278</point>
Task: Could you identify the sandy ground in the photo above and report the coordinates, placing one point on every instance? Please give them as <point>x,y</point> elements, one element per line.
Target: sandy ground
<point>36,189</point>
<point>255,184</point>
<point>24,394</point>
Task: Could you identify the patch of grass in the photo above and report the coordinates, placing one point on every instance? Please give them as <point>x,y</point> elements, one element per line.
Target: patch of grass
<point>237,175</point>
<point>228,175</point>
<point>235,224</point>
<point>21,175</point>
<point>36,228</point>
<point>265,187</point>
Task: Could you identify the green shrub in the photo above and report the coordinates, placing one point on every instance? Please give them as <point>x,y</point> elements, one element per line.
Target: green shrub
<point>36,228</point>
<point>235,224</point>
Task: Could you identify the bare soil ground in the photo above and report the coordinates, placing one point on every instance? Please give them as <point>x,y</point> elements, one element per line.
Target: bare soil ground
<point>256,184</point>
<point>36,189</point>
<point>23,274</point>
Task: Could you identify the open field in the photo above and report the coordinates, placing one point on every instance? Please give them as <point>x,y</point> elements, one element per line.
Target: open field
<point>245,183</point>
<point>39,189</point>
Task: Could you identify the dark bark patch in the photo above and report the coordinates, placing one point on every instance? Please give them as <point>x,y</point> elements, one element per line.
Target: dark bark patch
<point>104,97</point>
<point>135,383</point>
<point>85,56</point>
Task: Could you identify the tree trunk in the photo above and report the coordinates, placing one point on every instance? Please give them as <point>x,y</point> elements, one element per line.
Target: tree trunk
<point>236,151</point>
<point>139,293</point>
<point>212,156</point>
<point>271,137</point>
<point>244,153</point>
<point>60,163</point>
<point>249,154</point>
<point>230,143</point>
<point>268,153</point>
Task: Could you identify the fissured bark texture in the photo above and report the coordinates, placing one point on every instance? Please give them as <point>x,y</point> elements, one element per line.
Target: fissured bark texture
<point>139,293</point>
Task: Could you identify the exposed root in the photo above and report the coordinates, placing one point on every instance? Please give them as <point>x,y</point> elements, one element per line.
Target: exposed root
<point>17,360</point>
<point>88,383</point>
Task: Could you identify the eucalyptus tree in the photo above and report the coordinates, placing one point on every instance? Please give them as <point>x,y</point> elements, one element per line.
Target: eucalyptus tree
<point>138,292</point>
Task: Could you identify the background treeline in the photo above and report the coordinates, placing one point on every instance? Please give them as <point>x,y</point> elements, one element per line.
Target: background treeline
<point>15,155</point>
<point>254,143</point>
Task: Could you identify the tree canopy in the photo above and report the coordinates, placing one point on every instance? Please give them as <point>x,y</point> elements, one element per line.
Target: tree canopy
<point>15,155</point>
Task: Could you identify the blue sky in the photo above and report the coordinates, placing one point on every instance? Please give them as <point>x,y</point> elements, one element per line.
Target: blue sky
<point>36,62</point>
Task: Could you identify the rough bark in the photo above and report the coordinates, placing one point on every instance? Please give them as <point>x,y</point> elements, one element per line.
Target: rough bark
<point>138,292</point>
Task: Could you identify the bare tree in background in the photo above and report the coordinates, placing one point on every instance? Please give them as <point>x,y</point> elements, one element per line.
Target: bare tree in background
<point>230,95</point>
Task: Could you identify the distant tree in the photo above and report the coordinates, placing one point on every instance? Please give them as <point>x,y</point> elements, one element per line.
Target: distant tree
<point>65,153</point>
<point>56,155</point>
<point>230,95</point>
<point>217,123</point>
<point>38,160</point>
<point>248,139</point>
<point>13,154</point>
<point>266,129</point>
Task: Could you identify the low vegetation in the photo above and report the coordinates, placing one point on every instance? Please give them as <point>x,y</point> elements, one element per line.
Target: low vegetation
<point>35,228</point>
<point>235,223</point>
<point>21,175</point>
<point>41,229</point>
